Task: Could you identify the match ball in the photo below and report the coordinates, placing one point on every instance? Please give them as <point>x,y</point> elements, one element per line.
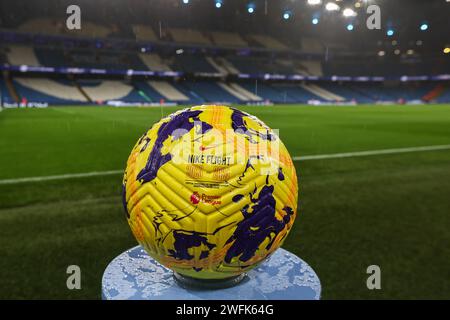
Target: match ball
<point>210,192</point>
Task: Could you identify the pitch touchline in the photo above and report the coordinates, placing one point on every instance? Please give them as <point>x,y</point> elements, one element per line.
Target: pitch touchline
<point>303,158</point>
<point>61,177</point>
<point>371,153</point>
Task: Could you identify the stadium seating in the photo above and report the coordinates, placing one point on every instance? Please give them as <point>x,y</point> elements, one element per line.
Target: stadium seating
<point>210,92</point>
<point>198,63</point>
<point>347,93</point>
<point>48,91</point>
<point>5,97</point>
<point>311,46</point>
<point>93,30</point>
<point>107,60</point>
<point>444,97</point>
<point>189,36</point>
<point>235,59</point>
<point>154,62</point>
<point>58,27</point>
<point>167,91</point>
<point>22,55</point>
<point>249,66</point>
<point>107,90</point>
<point>42,26</point>
<point>297,93</point>
<point>144,33</point>
<point>228,39</point>
<point>268,42</point>
<point>310,68</point>
<point>268,92</point>
<point>226,65</point>
<point>51,57</point>
<point>394,92</point>
<point>239,92</point>
<point>193,64</point>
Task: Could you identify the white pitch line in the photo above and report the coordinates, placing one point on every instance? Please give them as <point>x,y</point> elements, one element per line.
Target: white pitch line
<point>371,153</point>
<point>303,158</point>
<point>61,177</point>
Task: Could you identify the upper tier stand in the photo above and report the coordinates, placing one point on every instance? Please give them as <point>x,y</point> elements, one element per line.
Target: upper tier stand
<point>134,275</point>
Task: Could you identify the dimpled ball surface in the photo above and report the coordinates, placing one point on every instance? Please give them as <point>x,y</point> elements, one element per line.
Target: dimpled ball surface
<point>210,192</point>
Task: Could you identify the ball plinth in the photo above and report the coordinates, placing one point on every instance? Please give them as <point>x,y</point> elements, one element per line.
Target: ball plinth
<point>207,284</point>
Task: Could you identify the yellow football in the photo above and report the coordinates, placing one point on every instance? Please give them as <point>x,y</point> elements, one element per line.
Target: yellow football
<point>210,192</point>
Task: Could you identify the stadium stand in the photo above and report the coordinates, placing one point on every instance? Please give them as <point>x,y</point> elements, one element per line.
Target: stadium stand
<point>22,55</point>
<point>444,97</point>
<point>168,91</point>
<point>193,64</point>
<point>50,57</point>
<point>347,93</point>
<point>57,27</point>
<point>106,60</point>
<point>144,33</point>
<point>297,93</point>
<point>269,42</point>
<point>244,92</point>
<point>226,65</point>
<point>5,97</point>
<point>407,92</point>
<point>146,92</point>
<point>228,39</point>
<point>42,26</point>
<point>211,92</point>
<point>268,92</point>
<point>189,36</point>
<point>221,69</point>
<point>256,66</point>
<point>322,92</point>
<point>311,46</point>
<point>48,91</point>
<point>239,92</point>
<point>154,62</point>
<point>232,57</point>
<point>107,90</point>
<point>379,92</point>
<point>309,68</point>
<point>92,30</point>
<point>435,93</point>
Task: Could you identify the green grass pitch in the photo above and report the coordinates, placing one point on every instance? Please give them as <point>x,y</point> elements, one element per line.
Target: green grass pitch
<point>388,210</point>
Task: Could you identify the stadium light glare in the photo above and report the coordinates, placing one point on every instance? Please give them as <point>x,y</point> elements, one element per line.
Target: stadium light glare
<point>348,12</point>
<point>350,27</point>
<point>447,50</point>
<point>381,53</point>
<point>218,4</point>
<point>424,27</point>
<point>410,52</point>
<point>390,33</point>
<point>286,15</point>
<point>314,2</point>
<point>397,52</point>
<point>250,8</point>
<point>331,6</point>
<point>186,1</point>
<point>315,21</point>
